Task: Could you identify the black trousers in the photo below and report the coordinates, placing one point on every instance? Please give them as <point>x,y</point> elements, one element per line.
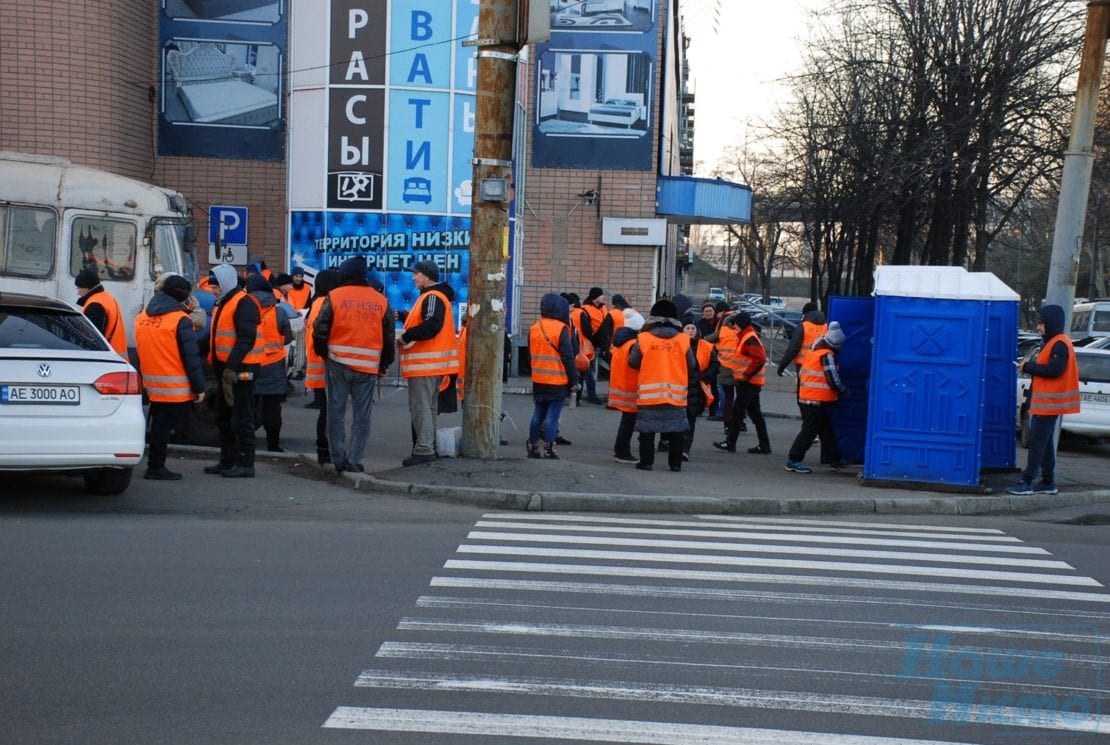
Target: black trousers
<point>622,446</point>
<point>815,423</point>
<point>675,441</point>
<point>747,402</point>
<point>164,417</point>
<point>236,425</point>
<point>322,420</point>
<point>268,408</point>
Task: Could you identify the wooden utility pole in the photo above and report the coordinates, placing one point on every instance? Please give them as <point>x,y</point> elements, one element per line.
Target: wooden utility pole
<point>493,152</point>
<point>1075,183</point>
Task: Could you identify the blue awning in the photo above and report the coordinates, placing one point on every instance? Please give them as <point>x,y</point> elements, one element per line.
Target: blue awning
<point>685,200</point>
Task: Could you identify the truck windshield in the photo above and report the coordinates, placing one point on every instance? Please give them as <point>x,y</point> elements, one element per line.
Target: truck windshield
<point>175,249</point>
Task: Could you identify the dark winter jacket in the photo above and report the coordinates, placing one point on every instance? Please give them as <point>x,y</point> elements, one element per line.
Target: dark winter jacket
<point>556,307</point>
<point>160,304</point>
<point>246,323</point>
<point>831,369</point>
<point>434,314</point>
<point>95,312</point>
<point>322,323</point>
<point>270,379</point>
<point>663,417</point>
<point>1052,316</point>
<point>795,346</point>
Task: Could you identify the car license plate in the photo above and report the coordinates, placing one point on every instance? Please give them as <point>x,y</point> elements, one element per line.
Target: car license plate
<point>40,394</point>
<point>1097,398</point>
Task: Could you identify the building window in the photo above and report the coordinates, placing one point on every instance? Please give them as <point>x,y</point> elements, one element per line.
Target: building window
<point>26,241</point>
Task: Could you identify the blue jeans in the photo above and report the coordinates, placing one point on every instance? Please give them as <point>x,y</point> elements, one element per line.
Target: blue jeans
<point>343,382</point>
<point>1042,449</point>
<point>589,379</point>
<point>546,414</point>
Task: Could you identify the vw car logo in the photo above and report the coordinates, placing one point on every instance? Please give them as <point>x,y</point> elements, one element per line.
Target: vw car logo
<point>44,370</point>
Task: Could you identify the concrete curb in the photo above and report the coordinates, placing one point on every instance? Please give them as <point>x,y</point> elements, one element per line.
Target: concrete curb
<point>551,501</point>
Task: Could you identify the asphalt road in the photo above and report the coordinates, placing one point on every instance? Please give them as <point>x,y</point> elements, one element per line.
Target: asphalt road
<point>294,611</point>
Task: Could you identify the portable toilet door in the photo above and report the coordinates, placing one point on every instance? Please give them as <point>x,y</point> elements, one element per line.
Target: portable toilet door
<point>856,316</point>
<point>998,438</point>
<point>928,374</point>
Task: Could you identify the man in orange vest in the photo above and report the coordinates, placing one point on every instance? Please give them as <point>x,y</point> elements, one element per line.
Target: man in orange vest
<point>751,361</point>
<point>819,388</point>
<point>623,382</point>
<point>235,354</point>
<point>597,328</point>
<point>551,350</point>
<point>102,309</point>
<point>1054,391</point>
<point>812,327</point>
<point>169,361</point>
<point>299,292</point>
<point>270,384</point>
<point>667,368</point>
<point>354,335</point>
<point>428,351</point>
<point>315,375</point>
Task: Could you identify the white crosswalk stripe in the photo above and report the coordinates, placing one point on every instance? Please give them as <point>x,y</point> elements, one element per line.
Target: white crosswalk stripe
<point>729,629</point>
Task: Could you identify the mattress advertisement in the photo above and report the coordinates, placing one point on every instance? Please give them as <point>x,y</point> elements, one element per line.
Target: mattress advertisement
<point>595,87</point>
<point>383,101</point>
<point>222,69</point>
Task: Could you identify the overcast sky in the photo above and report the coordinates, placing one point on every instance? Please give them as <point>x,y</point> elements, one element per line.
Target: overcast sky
<point>736,69</point>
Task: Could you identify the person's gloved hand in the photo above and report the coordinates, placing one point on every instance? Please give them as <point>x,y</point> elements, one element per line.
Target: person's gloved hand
<point>229,379</point>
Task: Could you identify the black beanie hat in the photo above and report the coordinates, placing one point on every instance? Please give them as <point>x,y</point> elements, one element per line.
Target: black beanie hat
<point>87,279</point>
<point>177,287</point>
<point>594,293</point>
<point>664,309</point>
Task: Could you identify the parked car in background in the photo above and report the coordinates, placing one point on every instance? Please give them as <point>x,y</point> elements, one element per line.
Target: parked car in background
<point>1027,343</point>
<point>68,403</point>
<point>1093,420</point>
<point>1102,342</point>
<point>781,322</point>
<point>715,294</point>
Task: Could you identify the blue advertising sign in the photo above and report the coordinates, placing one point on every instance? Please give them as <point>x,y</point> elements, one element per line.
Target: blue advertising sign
<point>229,224</point>
<point>221,79</point>
<point>595,86</point>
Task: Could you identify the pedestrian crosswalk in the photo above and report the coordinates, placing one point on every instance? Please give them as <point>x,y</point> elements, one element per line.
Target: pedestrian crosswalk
<point>728,629</point>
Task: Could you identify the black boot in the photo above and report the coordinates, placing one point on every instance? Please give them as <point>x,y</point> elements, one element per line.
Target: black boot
<point>244,464</point>
<point>273,436</point>
<point>323,456</point>
<point>227,460</point>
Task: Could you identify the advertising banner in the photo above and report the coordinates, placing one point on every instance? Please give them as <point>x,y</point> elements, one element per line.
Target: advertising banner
<point>221,78</point>
<point>595,86</point>
<point>397,140</point>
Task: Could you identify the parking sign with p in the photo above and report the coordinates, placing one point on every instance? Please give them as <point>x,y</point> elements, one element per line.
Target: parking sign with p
<point>228,224</point>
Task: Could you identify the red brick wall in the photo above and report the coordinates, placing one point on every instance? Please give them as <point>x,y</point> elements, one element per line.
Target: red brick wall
<point>75,81</point>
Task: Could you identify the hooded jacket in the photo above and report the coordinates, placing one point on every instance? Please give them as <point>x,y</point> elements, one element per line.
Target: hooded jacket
<point>815,317</point>
<point>159,305</point>
<point>270,379</point>
<point>325,317</point>
<point>555,307</point>
<point>664,417</point>
<point>1053,318</point>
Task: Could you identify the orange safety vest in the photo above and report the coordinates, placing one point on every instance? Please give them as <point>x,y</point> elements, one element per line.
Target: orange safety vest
<point>663,375</point>
<point>704,353</point>
<point>596,314</point>
<point>727,339</point>
<point>160,361</point>
<point>436,356</point>
<point>460,382</point>
<point>745,360</point>
<point>618,318</point>
<point>543,347</point>
<point>114,330</point>
<point>585,346</point>
<point>1052,396</point>
<point>812,383</point>
<point>299,298</point>
<point>223,332</point>
<point>623,380</point>
<point>811,332</point>
<point>314,372</point>
<point>356,330</point>
<point>273,342</point>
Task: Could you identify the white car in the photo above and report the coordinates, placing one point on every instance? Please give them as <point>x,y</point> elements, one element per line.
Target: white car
<point>68,403</point>
<point>1093,419</point>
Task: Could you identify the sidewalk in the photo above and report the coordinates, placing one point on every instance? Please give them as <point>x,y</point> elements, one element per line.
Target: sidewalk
<point>586,478</point>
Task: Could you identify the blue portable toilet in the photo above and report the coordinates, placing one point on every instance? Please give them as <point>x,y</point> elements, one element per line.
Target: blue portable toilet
<point>856,316</point>
<point>943,385</point>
